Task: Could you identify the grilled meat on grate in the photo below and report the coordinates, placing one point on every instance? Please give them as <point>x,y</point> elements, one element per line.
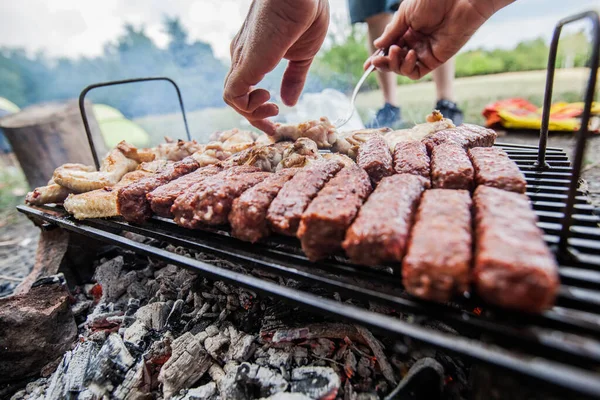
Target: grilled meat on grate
<point>411,158</point>
<point>438,260</point>
<point>514,267</point>
<point>451,167</point>
<point>325,221</point>
<point>494,168</point>
<point>380,232</point>
<point>286,210</point>
<point>248,216</point>
<point>374,157</point>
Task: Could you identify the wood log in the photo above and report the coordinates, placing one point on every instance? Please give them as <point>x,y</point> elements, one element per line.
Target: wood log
<point>45,136</point>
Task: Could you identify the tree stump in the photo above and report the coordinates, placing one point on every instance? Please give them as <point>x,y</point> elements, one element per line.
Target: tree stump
<point>45,136</point>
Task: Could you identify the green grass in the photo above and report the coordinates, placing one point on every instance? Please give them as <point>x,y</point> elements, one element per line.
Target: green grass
<point>13,188</point>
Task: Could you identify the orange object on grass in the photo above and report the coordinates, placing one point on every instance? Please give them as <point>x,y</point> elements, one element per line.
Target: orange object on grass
<point>518,113</point>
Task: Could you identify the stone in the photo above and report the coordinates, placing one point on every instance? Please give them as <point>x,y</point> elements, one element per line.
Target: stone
<point>36,328</point>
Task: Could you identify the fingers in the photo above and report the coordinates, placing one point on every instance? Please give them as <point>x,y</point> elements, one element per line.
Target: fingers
<point>394,30</point>
<point>400,61</point>
<point>293,81</point>
<point>264,125</point>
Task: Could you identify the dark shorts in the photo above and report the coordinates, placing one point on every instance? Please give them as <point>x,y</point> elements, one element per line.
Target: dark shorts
<point>360,10</point>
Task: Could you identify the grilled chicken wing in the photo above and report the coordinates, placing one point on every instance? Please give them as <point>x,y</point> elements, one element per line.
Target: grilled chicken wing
<point>321,131</point>
<point>102,203</point>
<point>53,192</point>
<point>112,170</point>
<point>299,154</point>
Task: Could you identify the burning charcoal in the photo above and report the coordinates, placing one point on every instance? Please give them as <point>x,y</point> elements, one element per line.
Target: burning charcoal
<point>287,396</point>
<point>322,347</point>
<point>204,392</point>
<point>377,349</point>
<point>364,367</point>
<point>133,386</point>
<point>174,319</point>
<point>151,316</point>
<point>80,308</point>
<point>249,381</point>
<point>241,347</point>
<point>315,382</point>
<point>367,396</point>
<point>113,279</point>
<point>110,365</point>
<point>215,343</point>
<point>138,290</point>
<point>279,358</point>
<point>300,355</point>
<point>81,358</point>
<point>56,390</point>
<point>424,380</point>
<point>350,364</point>
<point>188,362</point>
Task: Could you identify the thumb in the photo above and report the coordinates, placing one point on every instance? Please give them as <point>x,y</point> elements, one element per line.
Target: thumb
<point>293,80</point>
<point>394,30</point>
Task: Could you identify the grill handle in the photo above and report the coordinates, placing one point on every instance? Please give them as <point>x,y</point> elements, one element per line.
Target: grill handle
<point>89,88</point>
<point>583,133</point>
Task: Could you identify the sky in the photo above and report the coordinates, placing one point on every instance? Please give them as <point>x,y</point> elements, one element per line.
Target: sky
<point>75,28</point>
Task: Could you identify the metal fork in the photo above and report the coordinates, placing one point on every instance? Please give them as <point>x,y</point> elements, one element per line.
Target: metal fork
<point>338,123</point>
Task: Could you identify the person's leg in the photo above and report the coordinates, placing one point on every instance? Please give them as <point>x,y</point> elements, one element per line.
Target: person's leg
<point>444,81</point>
<point>444,85</point>
<point>387,80</point>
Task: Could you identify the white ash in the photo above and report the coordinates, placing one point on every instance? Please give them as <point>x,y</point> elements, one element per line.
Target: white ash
<point>150,330</point>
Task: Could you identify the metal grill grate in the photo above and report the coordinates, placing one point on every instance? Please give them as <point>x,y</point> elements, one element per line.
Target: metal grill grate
<point>566,337</point>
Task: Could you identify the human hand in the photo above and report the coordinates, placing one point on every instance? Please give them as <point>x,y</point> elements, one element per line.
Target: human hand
<point>274,30</point>
<point>424,34</point>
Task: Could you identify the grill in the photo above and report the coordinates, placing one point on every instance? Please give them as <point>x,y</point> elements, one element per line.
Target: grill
<point>560,346</point>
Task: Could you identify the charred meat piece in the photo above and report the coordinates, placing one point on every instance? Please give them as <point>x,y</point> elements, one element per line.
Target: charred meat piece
<point>494,168</point>
<point>162,198</point>
<point>217,198</point>
<point>184,207</point>
<point>380,231</point>
<point>451,167</point>
<point>514,267</point>
<point>286,210</point>
<point>411,158</point>
<point>466,136</point>
<point>131,200</point>
<point>325,221</point>
<point>248,216</point>
<point>437,264</point>
<point>374,157</point>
